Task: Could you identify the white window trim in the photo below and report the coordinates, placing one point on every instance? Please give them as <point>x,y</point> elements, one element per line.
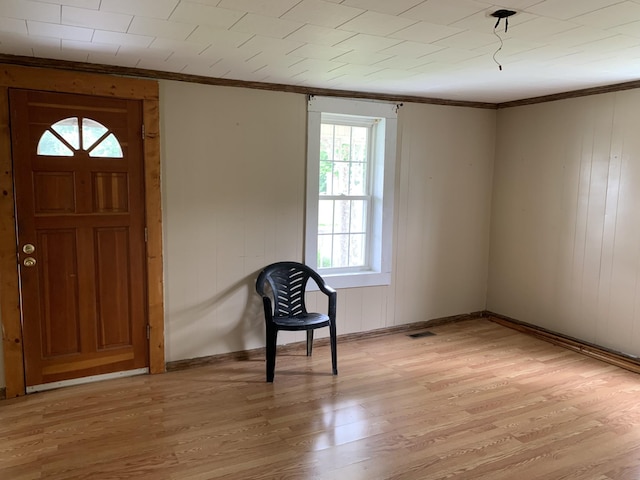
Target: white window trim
<point>383,188</point>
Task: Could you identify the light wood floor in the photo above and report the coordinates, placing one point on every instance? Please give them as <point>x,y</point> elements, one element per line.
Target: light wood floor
<point>476,401</point>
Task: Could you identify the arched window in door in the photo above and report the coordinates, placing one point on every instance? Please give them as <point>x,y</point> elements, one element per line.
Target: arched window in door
<point>72,134</point>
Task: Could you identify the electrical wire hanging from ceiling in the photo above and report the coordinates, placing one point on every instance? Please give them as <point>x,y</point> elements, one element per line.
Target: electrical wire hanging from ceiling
<point>500,14</point>
<point>499,48</point>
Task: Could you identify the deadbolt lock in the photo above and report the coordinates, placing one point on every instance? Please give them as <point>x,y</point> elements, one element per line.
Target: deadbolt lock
<point>28,249</point>
<point>29,262</point>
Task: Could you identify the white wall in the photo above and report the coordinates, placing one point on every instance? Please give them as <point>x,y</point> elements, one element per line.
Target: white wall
<point>442,241</point>
<point>565,236</point>
<point>233,193</point>
<point>233,170</point>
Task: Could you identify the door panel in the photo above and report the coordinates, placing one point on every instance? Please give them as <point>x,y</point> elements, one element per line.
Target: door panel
<point>58,291</point>
<point>79,201</point>
<point>54,192</point>
<point>112,275</point>
<point>110,193</point>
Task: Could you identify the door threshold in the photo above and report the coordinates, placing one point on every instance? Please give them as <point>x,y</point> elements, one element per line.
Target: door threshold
<point>80,381</point>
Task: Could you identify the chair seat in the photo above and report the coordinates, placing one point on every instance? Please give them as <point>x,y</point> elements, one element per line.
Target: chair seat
<point>302,322</point>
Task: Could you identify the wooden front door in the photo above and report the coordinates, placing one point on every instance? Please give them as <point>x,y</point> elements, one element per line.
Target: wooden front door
<point>78,177</point>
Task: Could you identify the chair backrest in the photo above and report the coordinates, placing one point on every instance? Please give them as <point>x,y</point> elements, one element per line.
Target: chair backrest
<point>288,282</point>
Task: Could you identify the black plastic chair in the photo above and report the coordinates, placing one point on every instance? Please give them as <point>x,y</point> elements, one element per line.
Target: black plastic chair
<point>284,308</point>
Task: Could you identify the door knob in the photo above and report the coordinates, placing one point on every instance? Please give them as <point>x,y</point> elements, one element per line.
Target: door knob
<point>28,249</point>
<point>29,262</point>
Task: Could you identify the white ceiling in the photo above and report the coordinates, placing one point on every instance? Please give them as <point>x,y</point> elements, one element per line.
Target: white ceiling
<point>427,48</point>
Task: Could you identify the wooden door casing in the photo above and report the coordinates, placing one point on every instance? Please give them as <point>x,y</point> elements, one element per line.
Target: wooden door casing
<point>83,303</point>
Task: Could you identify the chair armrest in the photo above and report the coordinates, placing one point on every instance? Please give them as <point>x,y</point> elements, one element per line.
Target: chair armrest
<point>326,289</point>
<point>322,285</point>
<point>332,295</point>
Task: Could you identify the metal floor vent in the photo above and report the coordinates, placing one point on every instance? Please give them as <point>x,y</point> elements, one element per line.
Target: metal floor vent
<point>421,334</point>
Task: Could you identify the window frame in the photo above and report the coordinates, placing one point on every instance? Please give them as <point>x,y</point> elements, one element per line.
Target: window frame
<point>382,177</point>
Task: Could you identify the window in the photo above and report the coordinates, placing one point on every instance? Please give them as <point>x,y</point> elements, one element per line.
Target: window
<point>344,192</point>
<point>73,134</point>
<point>350,178</point>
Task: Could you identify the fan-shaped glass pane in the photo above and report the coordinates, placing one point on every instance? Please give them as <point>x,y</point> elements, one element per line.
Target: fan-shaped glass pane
<point>69,130</point>
<point>91,132</point>
<point>107,148</point>
<point>49,144</point>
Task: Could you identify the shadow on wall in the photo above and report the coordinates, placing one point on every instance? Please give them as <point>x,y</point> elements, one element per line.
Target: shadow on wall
<point>229,321</point>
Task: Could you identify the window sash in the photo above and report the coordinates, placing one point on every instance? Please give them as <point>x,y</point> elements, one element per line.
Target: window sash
<point>345,248</point>
<point>343,233</point>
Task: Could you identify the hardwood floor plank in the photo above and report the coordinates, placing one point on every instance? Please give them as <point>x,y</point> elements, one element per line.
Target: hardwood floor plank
<point>475,401</point>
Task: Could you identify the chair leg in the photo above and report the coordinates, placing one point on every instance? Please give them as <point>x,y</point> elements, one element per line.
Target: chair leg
<point>334,348</point>
<point>272,339</point>
<point>309,342</point>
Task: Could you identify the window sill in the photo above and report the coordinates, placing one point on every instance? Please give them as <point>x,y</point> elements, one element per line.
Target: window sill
<point>353,280</point>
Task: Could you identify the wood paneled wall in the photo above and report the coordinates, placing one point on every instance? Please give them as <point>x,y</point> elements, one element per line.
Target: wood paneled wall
<point>234,172</point>
<point>565,242</point>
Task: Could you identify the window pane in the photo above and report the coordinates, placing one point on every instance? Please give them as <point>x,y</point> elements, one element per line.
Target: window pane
<point>340,251</point>
<point>91,132</point>
<point>360,143</point>
<point>49,144</point>
<point>326,177</point>
<point>324,250</point>
<point>358,179</point>
<point>340,178</point>
<point>107,148</point>
<point>69,130</point>
<point>342,143</point>
<point>326,142</point>
<point>356,250</point>
<point>358,216</point>
<point>341,216</point>
<point>325,216</point>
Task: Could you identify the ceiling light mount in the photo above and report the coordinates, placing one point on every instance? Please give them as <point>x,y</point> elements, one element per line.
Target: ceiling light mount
<point>503,13</point>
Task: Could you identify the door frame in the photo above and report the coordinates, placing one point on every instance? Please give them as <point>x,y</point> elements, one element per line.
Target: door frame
<point>51,80</point>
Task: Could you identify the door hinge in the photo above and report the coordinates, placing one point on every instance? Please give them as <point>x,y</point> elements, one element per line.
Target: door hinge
<point>143,131</point>
<point>148,332</point>
<point>146,234</point>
